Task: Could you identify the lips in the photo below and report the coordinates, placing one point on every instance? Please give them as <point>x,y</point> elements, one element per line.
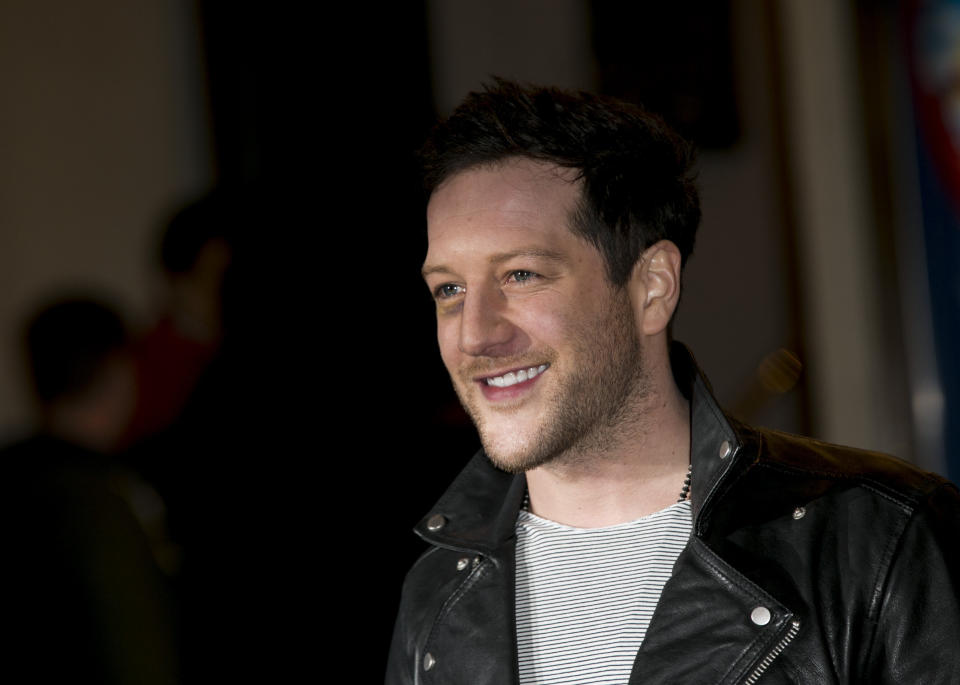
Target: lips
<point>511,384</point>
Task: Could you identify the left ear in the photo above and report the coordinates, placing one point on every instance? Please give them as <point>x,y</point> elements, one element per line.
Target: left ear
<point>655,284</point>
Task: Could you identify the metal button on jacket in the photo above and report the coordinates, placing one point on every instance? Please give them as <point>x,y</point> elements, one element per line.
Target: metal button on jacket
<point>725,449</point>
<point>436,522</point>
<point>428,661</point>
<point>799,513</point>
<point>462,564</point>
<point>760,616</point>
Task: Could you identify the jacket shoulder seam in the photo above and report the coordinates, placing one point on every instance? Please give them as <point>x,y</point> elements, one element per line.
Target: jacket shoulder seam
<point>803,440</point>
<point>886,563</point>
<point>883,579</point>
<point>906,500</point>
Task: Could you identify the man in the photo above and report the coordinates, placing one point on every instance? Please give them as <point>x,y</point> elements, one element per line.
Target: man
<point>617,526</point>
<point>86,555</point>
<point>174,352</point>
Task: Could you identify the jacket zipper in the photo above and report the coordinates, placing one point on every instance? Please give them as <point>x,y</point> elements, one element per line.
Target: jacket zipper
<point>774,653</point>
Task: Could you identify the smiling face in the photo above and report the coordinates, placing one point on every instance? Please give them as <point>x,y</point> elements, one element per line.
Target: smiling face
<point>543,352</point>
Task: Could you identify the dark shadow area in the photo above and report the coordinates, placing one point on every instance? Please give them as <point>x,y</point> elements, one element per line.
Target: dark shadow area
<point>302,459</point>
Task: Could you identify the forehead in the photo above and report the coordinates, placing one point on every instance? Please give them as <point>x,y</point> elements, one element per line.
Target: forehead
<point>516,199</point>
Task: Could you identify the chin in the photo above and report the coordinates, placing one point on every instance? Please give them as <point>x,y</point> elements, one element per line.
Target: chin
<point>509,464</point>
<point>513,456</point>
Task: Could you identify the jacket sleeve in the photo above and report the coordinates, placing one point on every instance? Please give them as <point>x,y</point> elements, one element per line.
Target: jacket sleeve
<point>399,666</point>
<point>917,638</point>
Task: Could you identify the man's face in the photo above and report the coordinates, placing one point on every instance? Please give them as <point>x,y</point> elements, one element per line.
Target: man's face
<point>543,352</point>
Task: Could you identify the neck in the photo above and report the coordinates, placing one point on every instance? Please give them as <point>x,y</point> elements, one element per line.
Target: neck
<point>639,470</point>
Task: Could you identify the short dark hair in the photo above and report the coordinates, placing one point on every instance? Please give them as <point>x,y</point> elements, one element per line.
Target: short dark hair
<point>68,343</point>
<point>637,174</point>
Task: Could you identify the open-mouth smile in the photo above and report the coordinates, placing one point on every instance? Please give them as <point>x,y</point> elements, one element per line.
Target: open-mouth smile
<point>510,384</point>
<point>514,377</point>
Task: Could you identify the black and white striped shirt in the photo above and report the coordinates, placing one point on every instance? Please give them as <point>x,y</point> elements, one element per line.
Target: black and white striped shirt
<point>585,596</point>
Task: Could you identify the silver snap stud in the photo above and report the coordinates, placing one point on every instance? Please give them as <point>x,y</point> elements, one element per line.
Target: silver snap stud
<point>476,561</point>
<point>799,513</point>
<point>760,616</point>
<point>462,564</point>
<point>428,661</point>
<point>436,522</point>
<point>725,449</point>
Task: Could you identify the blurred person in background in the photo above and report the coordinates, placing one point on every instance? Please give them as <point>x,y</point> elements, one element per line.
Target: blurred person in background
<point>86,553</point>
<point>171,356</point>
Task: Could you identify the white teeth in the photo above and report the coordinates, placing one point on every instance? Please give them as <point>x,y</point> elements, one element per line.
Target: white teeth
<point>512,378</point>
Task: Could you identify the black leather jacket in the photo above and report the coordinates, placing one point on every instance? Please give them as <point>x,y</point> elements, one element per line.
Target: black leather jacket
<point>808,563</point>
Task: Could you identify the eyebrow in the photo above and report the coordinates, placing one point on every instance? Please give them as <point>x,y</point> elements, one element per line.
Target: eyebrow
<point>500,257</point>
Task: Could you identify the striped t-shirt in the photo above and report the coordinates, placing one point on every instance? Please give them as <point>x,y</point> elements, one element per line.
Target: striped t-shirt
<point>585,596</point>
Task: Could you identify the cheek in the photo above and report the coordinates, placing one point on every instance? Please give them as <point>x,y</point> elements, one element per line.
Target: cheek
<point>543,329</point>
<point>576,323</point>
<point>550,321</point>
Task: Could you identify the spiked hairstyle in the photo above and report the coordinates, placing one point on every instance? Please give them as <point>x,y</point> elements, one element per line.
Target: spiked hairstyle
<point>637,174</point>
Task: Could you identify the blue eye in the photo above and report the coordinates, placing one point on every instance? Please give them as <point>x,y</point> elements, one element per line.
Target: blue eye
<point>447,290</point>
<point>521,276</point>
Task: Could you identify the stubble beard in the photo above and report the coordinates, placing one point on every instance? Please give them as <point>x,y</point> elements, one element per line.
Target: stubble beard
<point>591,406</point>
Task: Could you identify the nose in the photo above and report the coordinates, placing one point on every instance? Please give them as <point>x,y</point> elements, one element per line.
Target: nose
<point>485,329</point>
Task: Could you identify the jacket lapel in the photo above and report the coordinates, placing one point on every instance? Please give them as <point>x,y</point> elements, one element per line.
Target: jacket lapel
<point>707,597</point>
<point>479,513</point>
